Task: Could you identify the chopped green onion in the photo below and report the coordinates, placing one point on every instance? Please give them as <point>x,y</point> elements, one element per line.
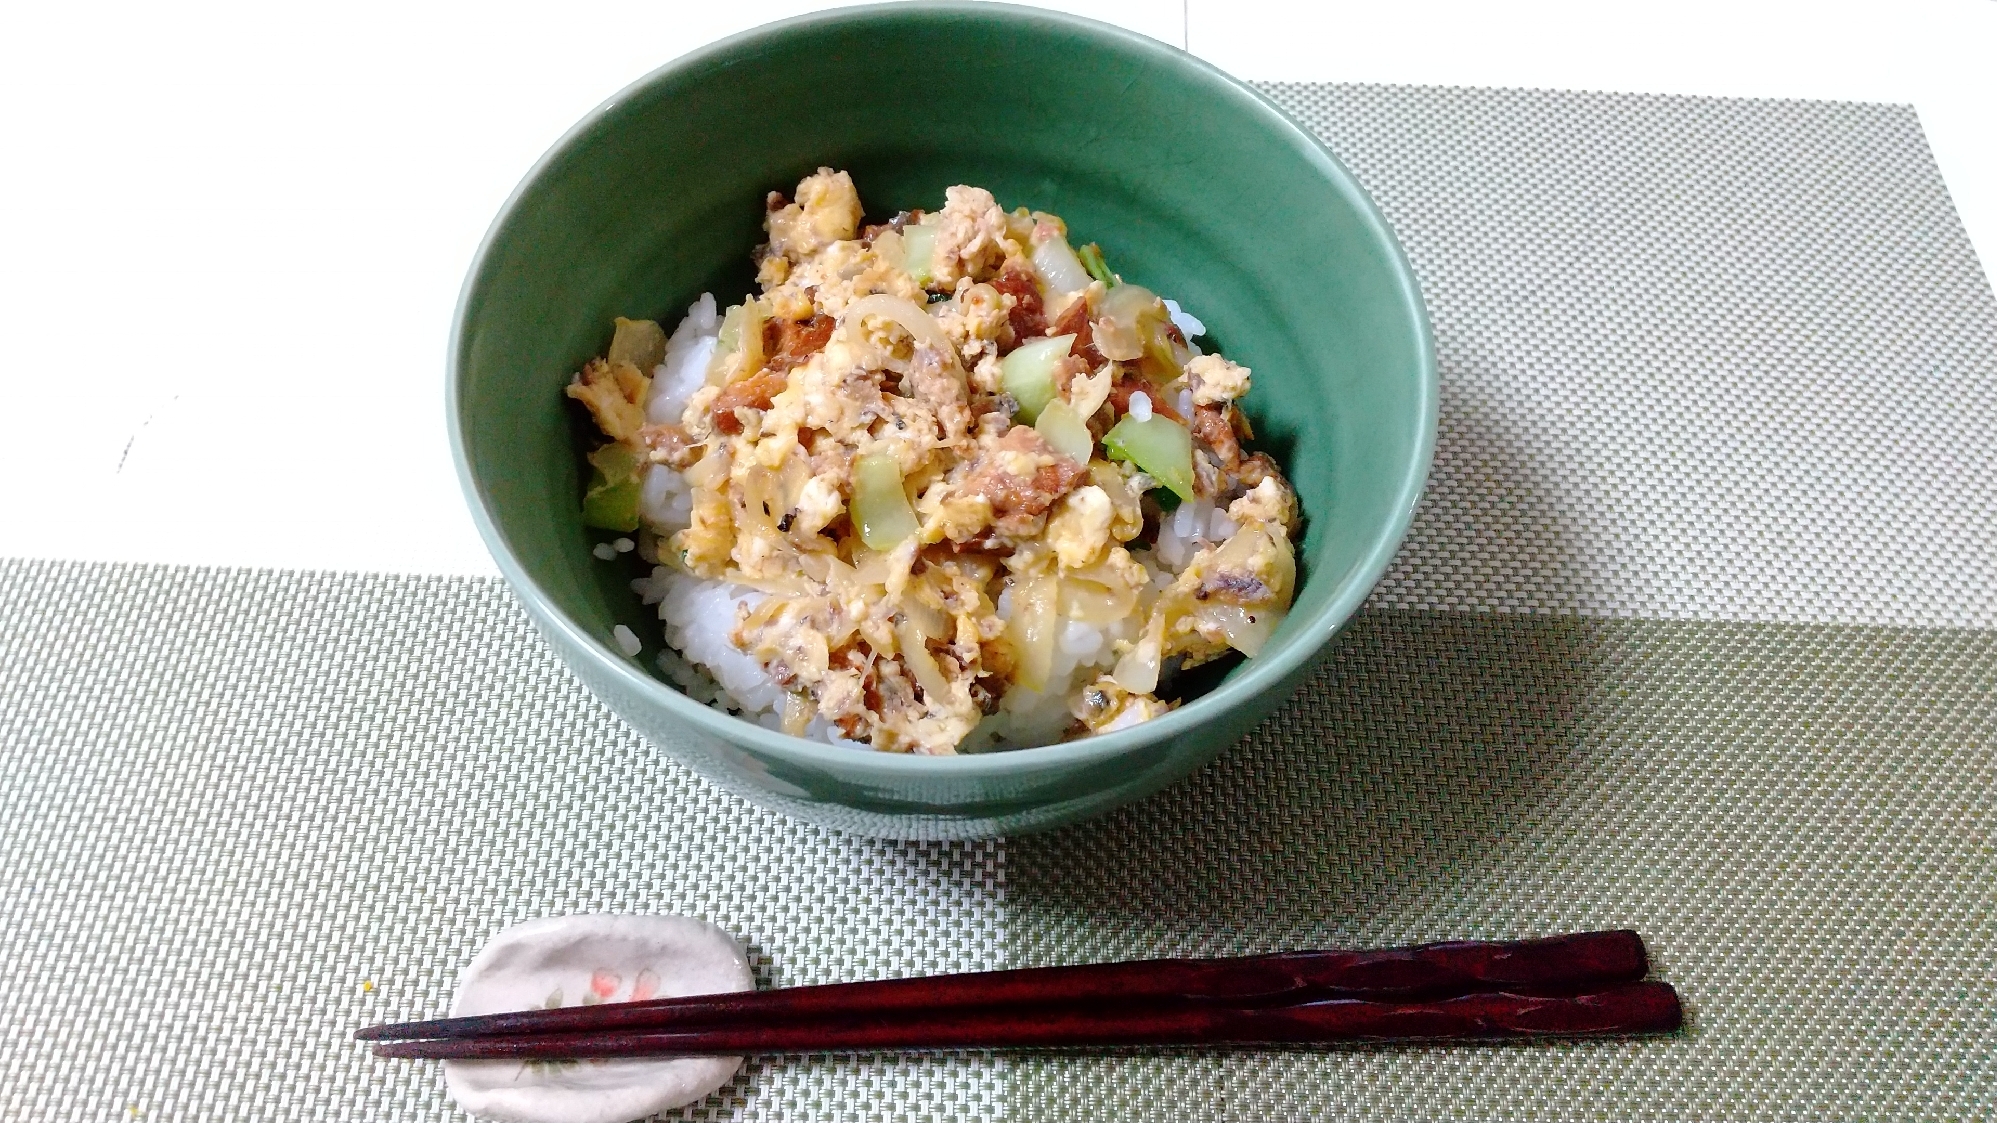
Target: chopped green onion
<point>611,503</point>
<point>1028,373</point>
<point>918,251</point>
<point>731,327</point>
<point>729,342</point>
<point>880,505</point>
<point>1092,260</point>
<point>1160,447</point>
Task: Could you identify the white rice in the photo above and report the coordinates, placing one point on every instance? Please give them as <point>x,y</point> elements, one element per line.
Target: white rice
<point>665,502</point>
<point>1028,717</point>
<point>627,640</point>
<point>1180,532</point>
<point>685,366</point>
<point>700,613</point>
<point>1194,523</point>
<point>1189,325</point>
<point>604,551</point>
<point>1140,407</point>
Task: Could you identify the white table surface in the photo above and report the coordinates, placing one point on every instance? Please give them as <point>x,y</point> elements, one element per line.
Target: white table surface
<point>231,236</point>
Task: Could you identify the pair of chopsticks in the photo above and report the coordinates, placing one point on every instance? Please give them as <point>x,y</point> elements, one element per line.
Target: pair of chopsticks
<point>1561,986</point>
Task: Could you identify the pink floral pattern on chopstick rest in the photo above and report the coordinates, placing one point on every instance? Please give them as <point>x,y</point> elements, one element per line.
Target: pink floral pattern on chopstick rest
<point>603,987</point>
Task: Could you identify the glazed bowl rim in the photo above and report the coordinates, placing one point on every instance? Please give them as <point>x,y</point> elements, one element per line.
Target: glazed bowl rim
<point>1247,681</point>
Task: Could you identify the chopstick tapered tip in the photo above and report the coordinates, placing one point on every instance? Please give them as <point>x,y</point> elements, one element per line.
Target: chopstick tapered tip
<point>1638,949</point>
<point>412,1031</point>
<point>1673,1018</point>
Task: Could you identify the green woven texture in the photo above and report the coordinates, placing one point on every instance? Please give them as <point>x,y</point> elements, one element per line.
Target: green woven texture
<point>245,813</point>
<point>1695,632</point>
<point>1798,818</point>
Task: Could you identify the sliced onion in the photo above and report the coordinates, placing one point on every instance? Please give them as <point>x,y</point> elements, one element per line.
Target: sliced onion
<point>798,711</point>
<point>781,585</point>
<point>917,323</point>
<point>1124,321</point>
<point>1137,671</point>
<point>1119,342</point>
<point>710,472</point>
<point>1060,270</point>
<point>818,567</point>
<point>930,620</point>
<point>1129,303</point>
<point>1095,603</point>
<point>871,567</point>
<point>920,663</point>
<point>1033,628</point>
<point>752,339</point>
<point>791,481</point>
<point>762,506</point>
<point>1246,629</point>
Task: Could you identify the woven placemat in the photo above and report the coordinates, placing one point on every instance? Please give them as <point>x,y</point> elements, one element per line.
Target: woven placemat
<point>1798,818</point>
<point>1696,631</point>
<point>246,813</point>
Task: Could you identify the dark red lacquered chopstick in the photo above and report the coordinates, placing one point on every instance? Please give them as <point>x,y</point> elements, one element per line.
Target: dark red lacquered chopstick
<point>1553,966</point>
<point>1629,1009</point>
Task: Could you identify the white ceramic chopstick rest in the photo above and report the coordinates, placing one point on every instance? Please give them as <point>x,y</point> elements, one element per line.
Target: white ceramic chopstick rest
<point>577,960</point>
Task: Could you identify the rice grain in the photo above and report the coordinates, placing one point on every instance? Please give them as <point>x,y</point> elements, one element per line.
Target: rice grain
<point>627,640</point>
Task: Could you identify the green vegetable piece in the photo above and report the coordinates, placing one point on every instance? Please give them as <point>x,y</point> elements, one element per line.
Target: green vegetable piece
<point>642,343</point>
<point>730,341</point>
<point>616,461</point>
<point>1065,431</point>
<point>1160,447</point>
<point>1028,374</point>
<point>1060,270</point>
<point>918,252</point>
<point>612,507</point>
<point>1092,260</point>
<point>731,327</point>
<point>611,503</point>
<point>880,505</point>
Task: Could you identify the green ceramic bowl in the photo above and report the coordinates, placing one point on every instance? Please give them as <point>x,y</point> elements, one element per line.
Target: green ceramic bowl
<point>1194,184</point>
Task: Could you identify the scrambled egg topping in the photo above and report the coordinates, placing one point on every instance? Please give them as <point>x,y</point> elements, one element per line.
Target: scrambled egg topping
<point>866,451</point>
